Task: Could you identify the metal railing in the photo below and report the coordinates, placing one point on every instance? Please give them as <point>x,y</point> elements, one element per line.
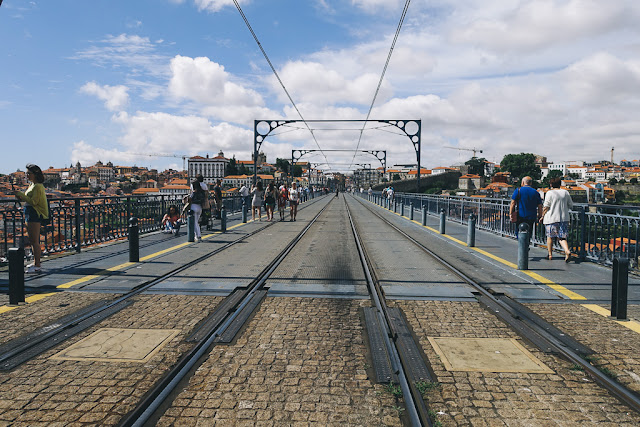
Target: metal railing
<point>594,234</point>
<point>86,221</point>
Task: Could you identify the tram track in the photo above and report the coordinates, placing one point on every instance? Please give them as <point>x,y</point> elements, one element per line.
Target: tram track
<point>17,351</point>
<point>527,324</point>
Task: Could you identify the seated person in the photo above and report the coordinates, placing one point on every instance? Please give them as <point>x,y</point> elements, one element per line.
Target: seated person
<point>171,220</point>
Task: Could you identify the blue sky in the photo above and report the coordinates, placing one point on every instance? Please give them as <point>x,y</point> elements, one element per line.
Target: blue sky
<point>112,80</point>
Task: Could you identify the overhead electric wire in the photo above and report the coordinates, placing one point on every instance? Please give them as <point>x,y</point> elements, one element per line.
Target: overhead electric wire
<point>384,70</point>
<point>264,53</point>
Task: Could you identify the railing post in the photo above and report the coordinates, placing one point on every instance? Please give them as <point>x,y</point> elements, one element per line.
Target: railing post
<point>471,231</point>
<point>523,246</point>
<point>244,213</point>
<point>16,275</point>
<point>411,211</point>
<point>223,219</point>
<point>424,215</point>
<point>582,254</point>
<point>443,221</point>
<point>401,208</point>
<point>78,231</point>
<point>134,240</point>
<point>191,226</point>
<point>619,288</point>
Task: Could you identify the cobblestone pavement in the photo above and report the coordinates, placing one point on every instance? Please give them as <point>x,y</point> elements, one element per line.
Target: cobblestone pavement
<point>617,347</point>
<point>300,361</point>
<point>29,317</point>
<point>566,398</point>
<point>73,393</point>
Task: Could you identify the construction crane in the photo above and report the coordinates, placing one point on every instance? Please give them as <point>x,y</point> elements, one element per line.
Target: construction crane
<point>184,157</point>
<point>466,149</point>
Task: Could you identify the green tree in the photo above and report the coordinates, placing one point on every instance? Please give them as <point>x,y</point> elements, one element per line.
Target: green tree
<point>297,170</point>
<point>633,180</point>
<point>396,177</point>
<point>283,165</point>
<point>551,175</point>
<point>232,167</point>
<point>521,165</point>
<point>476,165</point>
<point>613,181</point>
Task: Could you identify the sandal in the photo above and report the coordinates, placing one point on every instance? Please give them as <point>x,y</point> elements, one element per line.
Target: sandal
<point>567,257</point>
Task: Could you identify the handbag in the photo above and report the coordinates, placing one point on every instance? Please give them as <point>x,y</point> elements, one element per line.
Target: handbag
<point>513,215</point>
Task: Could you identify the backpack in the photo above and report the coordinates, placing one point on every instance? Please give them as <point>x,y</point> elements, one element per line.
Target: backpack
<point>197,198</point>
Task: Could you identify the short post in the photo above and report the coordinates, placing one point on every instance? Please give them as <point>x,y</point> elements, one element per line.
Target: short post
<point>424,215</point>
<point>244,213</point>
<point>134,240</point>
<point>402,208</point>
<point>523,246</point>
<point>16,275</point>
<point>223,219</point>
<point>619,288</point>
<point>583,234</point>
<point>471,231</point>
<point>411,211</point>
<point>443,221</point>
<point>191,227</point>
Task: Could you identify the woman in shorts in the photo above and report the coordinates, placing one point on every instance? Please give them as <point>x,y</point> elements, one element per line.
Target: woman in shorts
<point>283,196</point>
<point>294,197</point>
<point>555,216</point>
<point>35,212</point>
<point>270,197</point>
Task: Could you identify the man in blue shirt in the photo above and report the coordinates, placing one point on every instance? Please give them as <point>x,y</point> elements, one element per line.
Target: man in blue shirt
<point>529,204</point>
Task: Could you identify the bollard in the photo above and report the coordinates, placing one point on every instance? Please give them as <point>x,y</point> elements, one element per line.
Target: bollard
<point>443,221</point>
<point>523,246</point>
<point>402,208</point>
<point>16,275</point>
<point>471,231</point>
<point>424,216</point>
<point>134,240</point>
<point>244,213</point>
<point>395,206</point>
<point>191,227</point>
<point>619,288</point>
<point>411,211</point>
<point>223,219</point>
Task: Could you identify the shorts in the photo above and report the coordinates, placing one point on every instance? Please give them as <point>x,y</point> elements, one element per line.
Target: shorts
<point>293,202</point>
<point>269,205</point>
<point>31,215</point>
<point>557,229</point>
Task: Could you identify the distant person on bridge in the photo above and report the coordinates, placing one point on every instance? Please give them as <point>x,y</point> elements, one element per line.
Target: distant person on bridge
<point>294,198</point>
<point>244,193</point>
<point>217,194</point>
<point>256,203</point>
<point>171,220</point>
<point>270,197</point>
<point>283,196</point>
<point>527,203</point>
<point>198,198</point>
<point>36,211</point>
<point>555,217</point>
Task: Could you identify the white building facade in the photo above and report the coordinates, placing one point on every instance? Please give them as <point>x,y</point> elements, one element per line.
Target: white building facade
<point>211,169</point>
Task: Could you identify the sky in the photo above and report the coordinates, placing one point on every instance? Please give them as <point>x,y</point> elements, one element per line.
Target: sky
<point>146,82</point>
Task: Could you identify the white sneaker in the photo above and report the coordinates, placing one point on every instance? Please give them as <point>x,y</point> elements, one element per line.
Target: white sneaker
<point>32,269</point>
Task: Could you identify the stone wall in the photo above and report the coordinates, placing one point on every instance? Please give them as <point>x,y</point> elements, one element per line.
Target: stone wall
<point>630,189</point>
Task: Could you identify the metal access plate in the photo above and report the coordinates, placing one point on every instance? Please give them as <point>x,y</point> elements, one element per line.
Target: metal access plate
<point>119,345</point>
<point>486,355</point>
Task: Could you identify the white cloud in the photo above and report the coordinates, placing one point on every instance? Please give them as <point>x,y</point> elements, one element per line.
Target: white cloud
<point>216,5</point>
<point>115,97</point>
<point>539,24</point>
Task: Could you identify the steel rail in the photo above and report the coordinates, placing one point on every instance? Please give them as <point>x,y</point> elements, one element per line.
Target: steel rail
<point>414,403</point>
<point>166,386</point>
<point>55,329</point>
<point>619,391</point>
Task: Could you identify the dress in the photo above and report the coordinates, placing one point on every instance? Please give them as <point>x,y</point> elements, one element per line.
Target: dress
<point>556,220</point>
<point>257,197</point>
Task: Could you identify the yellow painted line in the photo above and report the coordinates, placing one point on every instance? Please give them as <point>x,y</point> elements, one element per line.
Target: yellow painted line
<point>34,298</point>
<point>6,308</point>
<point>629,324</point>
<point>164,251</point>
<point>558,288</point>
<point>78,281</point>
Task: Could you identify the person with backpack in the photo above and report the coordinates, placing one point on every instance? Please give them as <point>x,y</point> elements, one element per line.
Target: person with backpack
<point>198,197</point>
<point>270,197</point>
<point>526,206</point>
<point>283,196</point>
<point>36,212</point>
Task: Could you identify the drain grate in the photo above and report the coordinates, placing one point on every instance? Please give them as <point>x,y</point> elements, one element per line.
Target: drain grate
<point>416,368</point>
<point>381,363</point>
<point>230,333</point>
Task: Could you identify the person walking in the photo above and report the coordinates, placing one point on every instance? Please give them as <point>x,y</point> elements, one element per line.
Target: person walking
<point>217,194</point>
<point>244,194</point>
<point>283,196</point>
<point>197,200</point>
<point>555,217</point>
<point>36,211</point>
<point>256,203</point>
<point>270,197</point>
<point>527,204</point>
<point>294,197</point>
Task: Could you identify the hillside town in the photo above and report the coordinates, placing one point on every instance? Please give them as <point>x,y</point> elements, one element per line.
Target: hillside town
<point>586,182</point>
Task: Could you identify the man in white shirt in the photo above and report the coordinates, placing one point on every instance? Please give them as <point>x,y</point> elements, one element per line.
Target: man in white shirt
<point>244,193</point>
